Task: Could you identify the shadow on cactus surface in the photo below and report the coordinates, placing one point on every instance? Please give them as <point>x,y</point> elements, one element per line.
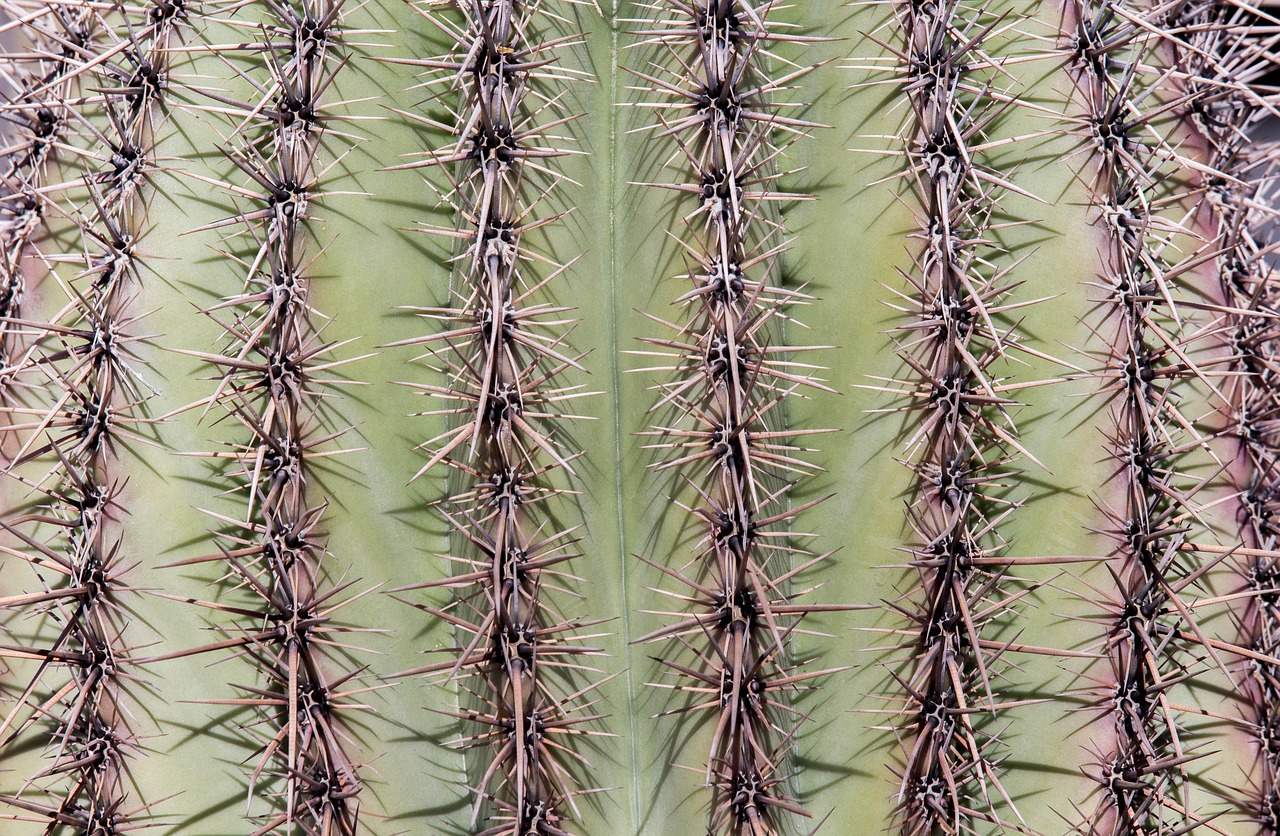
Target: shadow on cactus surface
<point>499,417</point>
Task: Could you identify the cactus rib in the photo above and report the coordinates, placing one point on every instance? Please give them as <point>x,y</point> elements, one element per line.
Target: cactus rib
<point>85,352</point>
<point>1143,782</point>
<point>506,357</point>
<point>966,438</point>
<point>729,382</point>
<point>1221,63</point>
<point>273,375</point>
<point>58,34</point>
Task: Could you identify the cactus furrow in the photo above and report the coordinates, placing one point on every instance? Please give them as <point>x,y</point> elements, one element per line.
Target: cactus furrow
<point>521,662</point>
<point>729,377</point>
<point>89,394</point>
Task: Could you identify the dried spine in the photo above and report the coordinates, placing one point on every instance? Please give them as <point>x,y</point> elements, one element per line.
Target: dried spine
<point>727,394</point>
<point>966,439</point>
<point>1151,643</point>
<point>274,374</point>
<point>505,356</point>
<point>79,371</point>
<point>1222,49</point>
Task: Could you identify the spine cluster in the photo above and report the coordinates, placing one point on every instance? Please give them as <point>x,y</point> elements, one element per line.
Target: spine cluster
<point>965,438</point>
<point>82,394</point>
<point>273,376</point>
<point>1152,643</point>
<point>1224,51</point>
<point>504,353</point>
<point>729,380</point>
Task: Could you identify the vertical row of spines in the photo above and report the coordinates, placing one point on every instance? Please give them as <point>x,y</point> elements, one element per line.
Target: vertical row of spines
<point>273,376</point>
<point>965,440</point>
<point>1159,351</point>
<point>81,396</point>
<point>730,376</point>
<point>48,40</point>
<point>1224,51</point>
<point>520,664</point>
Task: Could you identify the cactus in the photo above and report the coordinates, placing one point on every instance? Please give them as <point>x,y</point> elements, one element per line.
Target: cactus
<point>551,417</point>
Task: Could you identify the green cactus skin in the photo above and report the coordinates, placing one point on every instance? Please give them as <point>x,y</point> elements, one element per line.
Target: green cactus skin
<point>392,584</point>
